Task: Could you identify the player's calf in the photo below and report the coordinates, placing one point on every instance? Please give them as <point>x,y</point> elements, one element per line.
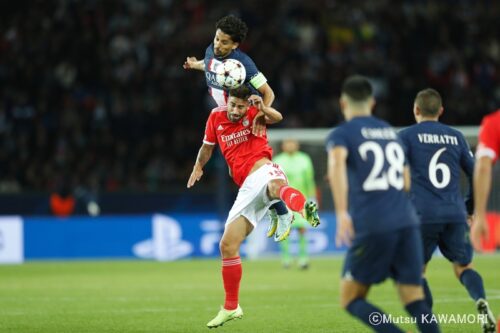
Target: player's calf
<point>293,198</point>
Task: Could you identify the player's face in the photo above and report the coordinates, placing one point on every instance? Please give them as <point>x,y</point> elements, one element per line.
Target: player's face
<point>290,146</point>
<point>223,44</point>
<point>236,108</point>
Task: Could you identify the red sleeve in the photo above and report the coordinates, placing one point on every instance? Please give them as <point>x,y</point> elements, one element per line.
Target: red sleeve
<point>210,138</point>
<point>489,138</point>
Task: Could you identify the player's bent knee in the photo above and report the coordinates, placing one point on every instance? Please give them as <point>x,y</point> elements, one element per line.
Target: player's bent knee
<point>273,188</point>
<point>344,302</point>
<point>228,249</point>
<point>410,293</point>
<point>459,269</point>
<point>351,290</point>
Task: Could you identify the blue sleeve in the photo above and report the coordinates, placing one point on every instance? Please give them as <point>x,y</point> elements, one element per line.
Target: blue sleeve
<point>250,67</point>
<point>336,138</point>
<point>208,55</point>
<point>467,164</point>
<point>403,140</point>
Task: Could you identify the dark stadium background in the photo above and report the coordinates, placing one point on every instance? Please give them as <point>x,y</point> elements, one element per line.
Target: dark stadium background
<point>98,119</point>
<point>93,97</point>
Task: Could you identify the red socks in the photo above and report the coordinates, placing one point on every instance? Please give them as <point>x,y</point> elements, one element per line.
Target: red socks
<point>231,275</point>
<point>293,198</point>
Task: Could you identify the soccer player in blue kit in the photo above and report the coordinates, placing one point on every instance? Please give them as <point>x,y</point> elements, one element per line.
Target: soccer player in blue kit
<point>375,217</point>
<point>436,154</point>
<point>230,33</point>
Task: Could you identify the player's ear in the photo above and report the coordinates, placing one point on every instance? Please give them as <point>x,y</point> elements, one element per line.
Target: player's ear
<point>441,111</point>
<point>373,102</point>
<point>416,110</point>
<point>342,103</point>
<point>235,45</point>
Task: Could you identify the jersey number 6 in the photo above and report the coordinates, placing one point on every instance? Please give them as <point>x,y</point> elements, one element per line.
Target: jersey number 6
<point>434,166</point>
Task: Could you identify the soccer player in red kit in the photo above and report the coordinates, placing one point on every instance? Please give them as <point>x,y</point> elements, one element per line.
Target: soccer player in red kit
<point>261,182</point>
<point>230,33</point>
<point>488,151</point>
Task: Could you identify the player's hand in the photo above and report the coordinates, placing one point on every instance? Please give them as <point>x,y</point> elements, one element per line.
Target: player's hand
<point>259,124</point>
<point>479,229</point>
<point>190,63</point>
<point>345,230</point>
<point>470,220</point>
<point>256,101</point>
<point>195,176</point>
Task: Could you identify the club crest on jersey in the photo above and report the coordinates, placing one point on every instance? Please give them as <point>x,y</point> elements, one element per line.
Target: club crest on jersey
<point>245,122</point>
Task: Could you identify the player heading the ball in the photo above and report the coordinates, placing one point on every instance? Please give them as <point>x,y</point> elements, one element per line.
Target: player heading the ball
<point>261,182</point>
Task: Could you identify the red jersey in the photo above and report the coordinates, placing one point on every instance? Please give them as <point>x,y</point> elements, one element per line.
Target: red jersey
<point>240,147</point>
<point>489,136</point>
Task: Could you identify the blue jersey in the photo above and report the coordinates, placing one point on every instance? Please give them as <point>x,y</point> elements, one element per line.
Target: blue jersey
<point>254,79</point>
<point>375,164</point>
<point>437,153</point>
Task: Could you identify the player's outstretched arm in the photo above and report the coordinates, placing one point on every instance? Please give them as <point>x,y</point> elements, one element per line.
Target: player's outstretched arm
<point>193,63</point>
<point>482,185</point>
<point>267,94</point>
<point>204,155</point>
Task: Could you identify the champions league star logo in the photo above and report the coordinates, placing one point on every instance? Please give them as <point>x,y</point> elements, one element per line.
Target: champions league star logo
<point>245,122</point>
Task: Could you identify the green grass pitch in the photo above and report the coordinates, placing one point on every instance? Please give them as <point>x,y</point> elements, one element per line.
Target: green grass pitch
<point>138,296</point>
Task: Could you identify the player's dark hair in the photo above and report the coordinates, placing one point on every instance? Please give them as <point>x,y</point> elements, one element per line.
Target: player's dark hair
<point>234,27</point>
<point>429,102</point>
<point>358,88</point>
<point>242,92</point>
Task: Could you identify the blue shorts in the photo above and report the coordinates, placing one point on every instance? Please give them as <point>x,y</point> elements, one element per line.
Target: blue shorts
<point>397,254</point>
<point>453,241</point>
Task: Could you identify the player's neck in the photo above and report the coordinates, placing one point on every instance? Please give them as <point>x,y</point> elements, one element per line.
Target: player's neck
<point>354,113</point>
<point>422,119</point>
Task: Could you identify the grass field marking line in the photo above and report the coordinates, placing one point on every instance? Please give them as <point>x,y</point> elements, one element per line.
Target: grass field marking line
<point>335,305</point>
<point>444,300</point>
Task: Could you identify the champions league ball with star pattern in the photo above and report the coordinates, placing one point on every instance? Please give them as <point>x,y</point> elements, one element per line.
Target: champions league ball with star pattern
<point>230,74</point>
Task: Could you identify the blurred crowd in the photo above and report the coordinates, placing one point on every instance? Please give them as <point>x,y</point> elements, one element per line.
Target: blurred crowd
<point>93,93</point>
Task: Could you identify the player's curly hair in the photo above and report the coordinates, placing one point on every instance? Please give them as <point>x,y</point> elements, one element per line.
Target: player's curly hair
<point>234,27</point>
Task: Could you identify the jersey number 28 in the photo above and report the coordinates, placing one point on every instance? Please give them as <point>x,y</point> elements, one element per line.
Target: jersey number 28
<point>378,179</point>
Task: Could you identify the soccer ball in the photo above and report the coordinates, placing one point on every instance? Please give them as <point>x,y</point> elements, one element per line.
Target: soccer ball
<point>230,74</point>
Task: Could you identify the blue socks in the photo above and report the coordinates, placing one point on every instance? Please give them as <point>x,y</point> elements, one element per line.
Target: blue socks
<point>427,293</point>
<point>423,314</point>
<point>373,316</point>
<point>473,283</point>
<point>364,311</point>
<point>280,208</point>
